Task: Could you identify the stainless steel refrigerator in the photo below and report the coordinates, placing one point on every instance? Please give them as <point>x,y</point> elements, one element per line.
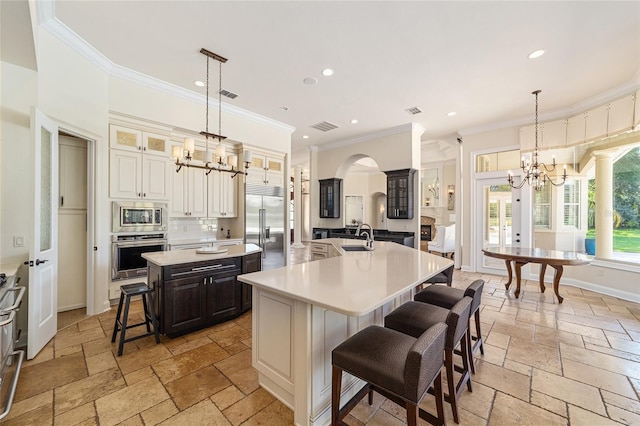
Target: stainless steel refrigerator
<point>264,223</point>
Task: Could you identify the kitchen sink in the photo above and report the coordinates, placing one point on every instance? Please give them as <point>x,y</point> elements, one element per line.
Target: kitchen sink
<point>356,248</point>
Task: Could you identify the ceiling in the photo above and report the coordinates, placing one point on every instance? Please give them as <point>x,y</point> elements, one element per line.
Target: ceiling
<point>387,56</point>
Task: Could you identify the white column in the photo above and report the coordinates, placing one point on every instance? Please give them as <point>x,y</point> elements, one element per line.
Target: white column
<point>314,190</point>
<point>604,204</point>
<point>297,208</point>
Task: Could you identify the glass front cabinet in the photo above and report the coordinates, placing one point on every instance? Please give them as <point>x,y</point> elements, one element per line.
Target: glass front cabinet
<point>330,198</point>
<point>400,194</point>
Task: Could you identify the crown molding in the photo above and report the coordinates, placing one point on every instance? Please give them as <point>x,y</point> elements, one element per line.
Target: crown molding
<point>403,128</point>
<point>48,21</point>
<point>580,107</point>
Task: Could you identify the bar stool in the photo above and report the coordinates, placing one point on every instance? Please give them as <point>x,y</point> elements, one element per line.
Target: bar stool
<point>447,297</point>
<point>398,366</point>
<point>413,318</point>
<point>128,291</point>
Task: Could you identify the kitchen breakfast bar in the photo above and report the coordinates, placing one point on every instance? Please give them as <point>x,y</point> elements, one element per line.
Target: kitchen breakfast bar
<point>302,312</point>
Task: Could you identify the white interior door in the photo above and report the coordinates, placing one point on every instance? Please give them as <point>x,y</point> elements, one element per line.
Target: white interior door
<point>43,249</point>
<point>501,222</point>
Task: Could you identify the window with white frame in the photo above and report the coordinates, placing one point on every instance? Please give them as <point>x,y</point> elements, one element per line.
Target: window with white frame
<point>542,203</point>
<point>571,215</point>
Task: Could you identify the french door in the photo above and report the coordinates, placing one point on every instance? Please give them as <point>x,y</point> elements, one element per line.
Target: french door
<point>502,220</point>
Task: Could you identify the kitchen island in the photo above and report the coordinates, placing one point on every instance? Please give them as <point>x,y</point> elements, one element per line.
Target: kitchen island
<point>302,312</point>
<point>195,290</point>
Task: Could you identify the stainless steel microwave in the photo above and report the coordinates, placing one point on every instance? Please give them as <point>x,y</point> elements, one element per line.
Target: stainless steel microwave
<point>137,216</point>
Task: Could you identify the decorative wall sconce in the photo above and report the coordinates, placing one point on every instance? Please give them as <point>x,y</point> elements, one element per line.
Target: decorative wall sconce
<point>450,197</point>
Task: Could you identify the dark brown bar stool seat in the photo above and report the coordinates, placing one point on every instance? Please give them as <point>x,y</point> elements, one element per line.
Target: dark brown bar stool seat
<point>413,318</point>
<point>398,366</point>
<point>447,297</point>
<point>127,291</point>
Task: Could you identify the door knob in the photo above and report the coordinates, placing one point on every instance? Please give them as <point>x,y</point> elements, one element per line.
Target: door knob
<point>38,261</point>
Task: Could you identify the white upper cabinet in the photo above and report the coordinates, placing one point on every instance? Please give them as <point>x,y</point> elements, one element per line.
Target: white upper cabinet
<point>222,195</point>
<point>128,139</point>
<point>189,189</point>
<point>266,169</point>
<point>139,165</point>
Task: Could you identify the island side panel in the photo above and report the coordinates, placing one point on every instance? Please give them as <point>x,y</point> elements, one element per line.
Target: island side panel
<point>272,343</point>
<point>291,348</point>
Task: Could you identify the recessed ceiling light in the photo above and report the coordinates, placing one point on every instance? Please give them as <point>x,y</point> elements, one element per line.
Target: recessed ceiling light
<point>354,121</point>
<point>451,114</point>
<point>536,54</point>
<point>327,72</point>
<point>310,81</point>
<point>199,83</point>
<point>305,136</point>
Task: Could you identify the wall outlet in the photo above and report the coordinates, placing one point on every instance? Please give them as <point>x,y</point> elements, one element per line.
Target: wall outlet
<point>18,241</point>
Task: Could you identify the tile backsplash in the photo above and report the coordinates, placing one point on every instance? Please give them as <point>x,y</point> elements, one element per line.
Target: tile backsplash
<point>188,228</point>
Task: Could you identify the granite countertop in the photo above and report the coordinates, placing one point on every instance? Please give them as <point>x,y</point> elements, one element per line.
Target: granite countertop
<point>354,283</point>
<point>177,257</point>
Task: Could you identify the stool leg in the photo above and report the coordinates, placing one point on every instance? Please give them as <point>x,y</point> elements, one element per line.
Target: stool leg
<point>470,348</point>
<point>124,324</point>
<point>115,326</point>
<point>466,357</point>
<point>437,390</point>
<point>448,362</point>
<point>412,413</point>
<point>336,388</point>
<point>478,332</point>
<point>154,320</point>
<point>147,317</point>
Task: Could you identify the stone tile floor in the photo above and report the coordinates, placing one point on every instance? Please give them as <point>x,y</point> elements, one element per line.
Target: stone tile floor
<point>577,363</point>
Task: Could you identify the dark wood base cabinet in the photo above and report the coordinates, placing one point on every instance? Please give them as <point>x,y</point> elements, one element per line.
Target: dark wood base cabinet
<point>195,295</point>
<point>250,263</point>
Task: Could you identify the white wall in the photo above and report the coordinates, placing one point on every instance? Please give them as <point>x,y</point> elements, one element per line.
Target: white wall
<point>19,93</point>
<point>127,97</point>
<point>394,149</point>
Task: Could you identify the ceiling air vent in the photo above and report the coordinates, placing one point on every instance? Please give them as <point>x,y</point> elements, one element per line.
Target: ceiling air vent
<point>228,94</point>
<point>413,110</point>
<point>324,126</point>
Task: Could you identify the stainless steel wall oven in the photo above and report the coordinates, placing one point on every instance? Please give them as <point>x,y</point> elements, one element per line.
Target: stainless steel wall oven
<point>126,254</point>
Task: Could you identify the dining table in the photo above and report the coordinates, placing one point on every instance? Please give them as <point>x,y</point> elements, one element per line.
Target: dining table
<point>520,256</point>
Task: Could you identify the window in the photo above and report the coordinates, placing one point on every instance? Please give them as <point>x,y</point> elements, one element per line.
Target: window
<point>494,161</point>
<point>572,204</point>
<point>542,203</point>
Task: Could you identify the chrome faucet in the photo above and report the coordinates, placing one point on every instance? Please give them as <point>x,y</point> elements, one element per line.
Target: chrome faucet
<point>369,234</point>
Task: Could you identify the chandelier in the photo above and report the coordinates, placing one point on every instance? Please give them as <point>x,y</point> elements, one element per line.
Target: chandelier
<point>219,161</point>
<point>535,172</point>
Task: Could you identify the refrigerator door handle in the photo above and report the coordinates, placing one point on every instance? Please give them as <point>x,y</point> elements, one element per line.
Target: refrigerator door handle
<point>263,239</point>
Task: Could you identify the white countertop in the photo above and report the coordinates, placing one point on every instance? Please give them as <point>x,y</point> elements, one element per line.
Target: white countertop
<point>202,240</point>
<point>9,268</point>
<point>356,282</point>
<point>166,258</point>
